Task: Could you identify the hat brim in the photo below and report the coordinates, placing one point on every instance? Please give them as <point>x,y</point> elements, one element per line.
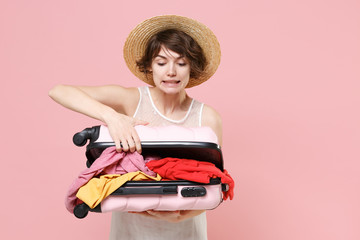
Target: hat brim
<point>138,38</point>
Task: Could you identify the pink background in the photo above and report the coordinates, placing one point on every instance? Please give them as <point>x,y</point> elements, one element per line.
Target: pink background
<point>287,89</point>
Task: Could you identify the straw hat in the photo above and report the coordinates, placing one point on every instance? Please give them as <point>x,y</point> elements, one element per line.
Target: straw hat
<point>138,38</point>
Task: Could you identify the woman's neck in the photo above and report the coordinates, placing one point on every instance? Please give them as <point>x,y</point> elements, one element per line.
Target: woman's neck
<point>168,104</point>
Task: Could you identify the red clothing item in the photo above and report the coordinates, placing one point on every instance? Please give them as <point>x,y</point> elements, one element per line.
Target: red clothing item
<point>191,170</point>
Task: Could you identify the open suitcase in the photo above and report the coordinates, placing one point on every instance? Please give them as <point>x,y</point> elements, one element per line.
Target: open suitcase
<point>171,141</point>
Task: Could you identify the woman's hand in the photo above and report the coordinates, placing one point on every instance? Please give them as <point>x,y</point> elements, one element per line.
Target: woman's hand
<point>171,216</point>
<point>105,104</point>
<point>122,131</point>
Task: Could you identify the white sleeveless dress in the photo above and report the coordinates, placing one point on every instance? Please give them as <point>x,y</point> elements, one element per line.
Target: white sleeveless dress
<point>136,227</point>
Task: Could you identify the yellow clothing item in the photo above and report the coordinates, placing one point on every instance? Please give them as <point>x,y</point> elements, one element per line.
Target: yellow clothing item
<point>97,189</point>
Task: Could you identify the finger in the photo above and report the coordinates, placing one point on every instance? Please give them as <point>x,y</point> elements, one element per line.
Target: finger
<point>137,142</point>
<point>124,145</point>
<point>145,214</point>
<point>117,145</point>
<point>164,214</point>
<point>170,216</point>
<point>132,146</point>
<point>152,214</point>
<point>138,146</point>
<point>140,122</point>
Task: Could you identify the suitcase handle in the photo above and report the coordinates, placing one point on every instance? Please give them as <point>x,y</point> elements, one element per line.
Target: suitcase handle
<point>164,190</point>
<point>80,138</point>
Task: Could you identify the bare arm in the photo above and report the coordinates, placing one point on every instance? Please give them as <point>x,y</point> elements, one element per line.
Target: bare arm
<point>107,104</point>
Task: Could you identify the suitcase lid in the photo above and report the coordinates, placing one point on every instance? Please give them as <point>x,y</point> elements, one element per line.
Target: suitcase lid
<point>197,148</point>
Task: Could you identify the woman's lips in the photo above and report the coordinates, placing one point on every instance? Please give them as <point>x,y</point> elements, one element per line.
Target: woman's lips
<point>171,83</point>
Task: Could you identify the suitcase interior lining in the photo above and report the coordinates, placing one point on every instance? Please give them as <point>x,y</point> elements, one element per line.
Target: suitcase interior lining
<point>200,151</point>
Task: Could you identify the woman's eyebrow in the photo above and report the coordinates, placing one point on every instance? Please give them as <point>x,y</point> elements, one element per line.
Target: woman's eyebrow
<point>164,57</point>
<point>161,56</point>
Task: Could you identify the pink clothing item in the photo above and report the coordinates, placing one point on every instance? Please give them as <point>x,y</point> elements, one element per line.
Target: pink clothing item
<point>109,162</point>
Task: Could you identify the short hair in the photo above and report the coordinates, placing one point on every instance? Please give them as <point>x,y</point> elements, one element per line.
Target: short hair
<point>179,42</point>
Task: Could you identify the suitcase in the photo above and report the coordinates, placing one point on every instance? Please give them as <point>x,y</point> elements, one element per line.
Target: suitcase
<point>170,141</point>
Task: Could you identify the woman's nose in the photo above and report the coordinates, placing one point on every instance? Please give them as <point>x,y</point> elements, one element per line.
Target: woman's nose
<point>171,70</point>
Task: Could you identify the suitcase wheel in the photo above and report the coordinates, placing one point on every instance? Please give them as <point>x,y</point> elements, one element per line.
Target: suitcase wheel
<point>81,210</point>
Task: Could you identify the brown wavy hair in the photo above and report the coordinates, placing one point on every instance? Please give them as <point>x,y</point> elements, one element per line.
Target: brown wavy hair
<point>179,42</point>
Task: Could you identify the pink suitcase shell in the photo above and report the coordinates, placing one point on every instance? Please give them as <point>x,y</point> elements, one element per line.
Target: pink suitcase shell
<point>170,141</point>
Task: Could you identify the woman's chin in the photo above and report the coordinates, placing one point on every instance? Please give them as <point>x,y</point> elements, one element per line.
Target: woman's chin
<point>172,88</point>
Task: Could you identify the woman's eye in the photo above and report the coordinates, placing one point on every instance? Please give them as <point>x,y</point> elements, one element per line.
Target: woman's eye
<point>161,64</point>
<point>182,64</point>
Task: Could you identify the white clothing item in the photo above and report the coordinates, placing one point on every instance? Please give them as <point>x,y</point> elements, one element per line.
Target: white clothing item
<point>132,226</point>
<point>147,111</point>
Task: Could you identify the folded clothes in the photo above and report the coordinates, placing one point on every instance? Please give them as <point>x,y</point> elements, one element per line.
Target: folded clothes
<point>99,188</point>
<point>191,170</point>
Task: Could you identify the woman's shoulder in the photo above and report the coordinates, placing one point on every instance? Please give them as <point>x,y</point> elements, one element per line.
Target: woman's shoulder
<point>211,118</point>
<point>127,98</point>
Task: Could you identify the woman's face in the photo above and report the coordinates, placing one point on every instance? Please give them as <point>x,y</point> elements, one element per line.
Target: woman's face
<point>171,72</point>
